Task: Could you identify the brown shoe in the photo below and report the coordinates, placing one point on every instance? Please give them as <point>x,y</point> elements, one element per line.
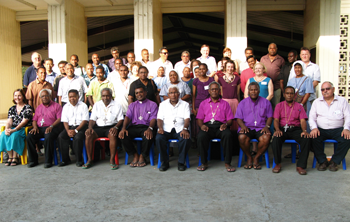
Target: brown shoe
<point>333,166</point>
<point>323,166</point>
<point>301,171</point>
<point>277,168</point>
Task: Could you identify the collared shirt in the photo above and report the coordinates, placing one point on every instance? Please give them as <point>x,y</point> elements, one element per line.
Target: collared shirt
<point>151,89</point>
<point>284,74</point>
<point>96,87</point>
<point>302,86</point>
<point>148,64</point>
<point>79,71</point>
<point>273,68</point>
<point>221,109</point>
<point>179,67</point>
<point>57,82</point>
<point>111,63</point>
<point>77,82</point>
<point>29,75</point>
<point>312,71</point>
<point>184,89</point>
<point>51,77</point>
<point>46,115</point>
<point>74,115</point>
<point>160,81</point>
<point>106,116</point>
<point>34,89</point>
<point>289,114</point>
<point>104,67</point>
<point>336,115</point>
<point>249,112</point>
<point>122,89</point>
<point>168,66</point>
<point>173,116</point>
<point>88,80</point>
<point>211,63</point>
<point>142,112</point>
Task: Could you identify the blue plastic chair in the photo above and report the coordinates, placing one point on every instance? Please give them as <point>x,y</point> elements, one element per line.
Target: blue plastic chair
<point>151,155</point>
<point>209,151</point>
<point>293,148</point>
<point>335,148</point>
<point>267,160</point>
<point>173,141</point>
<point>54,152</point>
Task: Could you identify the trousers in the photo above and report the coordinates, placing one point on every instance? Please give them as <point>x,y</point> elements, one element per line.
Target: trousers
<point>78,143</point>
<point>137,131</point>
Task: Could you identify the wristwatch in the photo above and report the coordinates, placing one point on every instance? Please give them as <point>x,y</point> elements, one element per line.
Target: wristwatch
<point>185,128</point>
<point>150,128</point>
<point>268,126</point>
<point>51,126</point>
<point>116,127</point>
<point>76,131</point>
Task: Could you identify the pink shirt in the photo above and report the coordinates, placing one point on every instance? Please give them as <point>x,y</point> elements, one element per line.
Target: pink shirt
<point>245,75</point>
<point>46,115</point>
<point>221,108</point>
<point>283,112</point>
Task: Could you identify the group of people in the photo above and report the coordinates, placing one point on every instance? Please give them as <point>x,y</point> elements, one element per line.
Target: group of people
<point>192,102</point>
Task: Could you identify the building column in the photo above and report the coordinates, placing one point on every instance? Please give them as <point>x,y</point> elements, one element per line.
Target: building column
<point>148,28</point>
<point>236,28</point>
<point>10,58</point>
<point>67,28</point>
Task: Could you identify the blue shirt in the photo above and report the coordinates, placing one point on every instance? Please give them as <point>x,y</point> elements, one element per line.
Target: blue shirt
<point>51,78</point>
<point>29,75</point>
<point>303,87</point>
<point>264,86</point>
<point>104,67</point>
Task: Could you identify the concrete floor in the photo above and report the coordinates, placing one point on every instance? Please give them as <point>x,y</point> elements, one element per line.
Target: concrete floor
<point>146,194</point>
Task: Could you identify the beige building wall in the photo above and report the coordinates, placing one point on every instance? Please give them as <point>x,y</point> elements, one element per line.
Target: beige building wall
<point>10,61</point>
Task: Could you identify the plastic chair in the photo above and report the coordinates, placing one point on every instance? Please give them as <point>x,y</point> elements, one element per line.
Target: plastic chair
<point>151,155</point>
<point>335,148</point>
<point>173,141</point>
<point>209,151</point>
<point>103,154</point>
<point>54,152</point>
<point>267,160</point>
<point>293,148</point>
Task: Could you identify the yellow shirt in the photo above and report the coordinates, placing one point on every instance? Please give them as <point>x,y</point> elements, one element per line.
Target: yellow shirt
<point>95,88</point>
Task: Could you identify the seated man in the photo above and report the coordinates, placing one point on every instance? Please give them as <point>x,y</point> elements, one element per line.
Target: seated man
<point>48,116</point>
<point>214,118</point>
<point>254,117</point>
<point>141,116</point>
<point>290,123</point>
<point>105,120</point>
<point>75,116</point>
<point>173,120</point>
<point>330,119</point>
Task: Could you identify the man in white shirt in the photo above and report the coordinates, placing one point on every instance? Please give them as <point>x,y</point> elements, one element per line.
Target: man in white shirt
<point>185,62</point>
<point>209,60</point>
<point>162,61</point>
<point>78,70</point>
<point>173,120</point>
<point>115,73</point>
<point>145,58</point>
<point>131,58</point>
<point>105,121</point>
<point>71,81</point>
<point>244,65</point>
<point>75,116</point>
<point>121,86</point>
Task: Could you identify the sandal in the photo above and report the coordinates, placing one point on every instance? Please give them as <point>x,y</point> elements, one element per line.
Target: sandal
<point>248,167</point>
<point>133,164</point>
<point>40,153</point>
<point>202,168</point>
<point>87,165</point>
<point>257,167</point>
<point>230,169</point>
<point>141,164</point>
<point>114,166</point>
<point>8,163</point>
<point>14,163</point>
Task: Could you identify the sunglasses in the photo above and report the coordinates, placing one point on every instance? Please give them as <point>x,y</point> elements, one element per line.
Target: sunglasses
<point>325,89</point>
<point>164,53</point>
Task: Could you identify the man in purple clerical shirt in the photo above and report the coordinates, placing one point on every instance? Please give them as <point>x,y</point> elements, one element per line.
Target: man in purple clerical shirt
<point>46,124</point>
<point>141,116</point>
<point>214,118</point>
<point>290,123</point>
<point>254,117</point>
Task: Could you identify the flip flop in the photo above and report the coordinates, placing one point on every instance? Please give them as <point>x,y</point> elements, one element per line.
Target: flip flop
<point>133,164</point>
<point>248,167</point>
<point>87,166</point>
<point>8,163</point>
<point>114,166</point>
<point>140,164</point>
<point>257,167</point>
<point>230,169</point>
<point>202,168</point>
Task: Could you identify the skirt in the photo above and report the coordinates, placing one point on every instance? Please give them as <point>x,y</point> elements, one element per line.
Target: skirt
<point>233,104</point>
<point>14,142</point>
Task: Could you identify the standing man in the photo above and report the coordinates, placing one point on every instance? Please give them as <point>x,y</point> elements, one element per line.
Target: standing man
<point>115,55</point>
<point>121,86</point>
<point>185,62</point>
<point>140,121</point>
<point>214,119</point>
<point>162,61</point>
<point>30,74</point>
<point>89,76</point>
<point>249,51</point>
<point>115,72</point>
<point>173,122</point>
<point>330,119</point>
<point>209,60</point>
<point>290,123</point>
<point>273,63</point>
<point>145,58</point>
<point>71,81</point>
<point>78,70</point>
<point>46,124</point>
<point>50,75</point>
<point>75,116</point>
<point>285,71</point>
<point>35,87</point>
<point>61,67</point>
<point>131,58</point>
<point>96,62</point>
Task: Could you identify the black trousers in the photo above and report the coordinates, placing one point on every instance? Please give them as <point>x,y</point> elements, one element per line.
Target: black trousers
<point>162,139</point>
<point>32,139</point>
<point>293,134</point>
<point>204,138</point>
<point>334,134</point>
<point>78,142</point>
<point>137,131</point>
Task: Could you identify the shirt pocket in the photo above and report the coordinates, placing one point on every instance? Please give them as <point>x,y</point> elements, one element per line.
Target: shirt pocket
<point>338,114</point>
<point>295,115</point>
<point>262,112</point>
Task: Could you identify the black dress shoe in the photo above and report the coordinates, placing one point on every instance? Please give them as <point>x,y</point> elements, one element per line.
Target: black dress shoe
<point>181,167</point>
<point>164,166</point>
<point>47,165</point>
<point>32,164</point>
<point>79,164</point>
<point>62,164</point>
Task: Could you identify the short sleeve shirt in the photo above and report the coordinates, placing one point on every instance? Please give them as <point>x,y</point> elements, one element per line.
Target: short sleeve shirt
<point>26,113</point>
<point>229,90</point>
<point>151,89</point>
<point>289,114</point>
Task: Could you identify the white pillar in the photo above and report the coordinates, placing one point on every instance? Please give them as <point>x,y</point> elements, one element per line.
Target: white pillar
<point>67,28</point>
<point>148,28</point>
<point>236,28</point>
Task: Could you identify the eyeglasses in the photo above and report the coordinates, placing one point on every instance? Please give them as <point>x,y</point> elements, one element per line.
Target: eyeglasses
<point>164,53</point>
<point>325,89</point>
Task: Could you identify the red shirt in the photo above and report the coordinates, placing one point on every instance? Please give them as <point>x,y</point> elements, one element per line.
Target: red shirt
<point>283,111</point>
<point>245,75</point>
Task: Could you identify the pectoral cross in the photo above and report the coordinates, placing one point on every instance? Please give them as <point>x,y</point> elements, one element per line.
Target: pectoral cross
<point>255,122</point>
<point>212,120</point>
<point>105,120</point>
<point>140,117</point>
<point>42,122</point>
<point>174,121</point>
<point>286,127</point>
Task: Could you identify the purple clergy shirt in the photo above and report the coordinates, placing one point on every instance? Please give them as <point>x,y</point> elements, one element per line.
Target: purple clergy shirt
<point>221,108</point>
<point>284,113</point>
<point>249,112</point>
<point>49,113</point>
<point>146,108</point>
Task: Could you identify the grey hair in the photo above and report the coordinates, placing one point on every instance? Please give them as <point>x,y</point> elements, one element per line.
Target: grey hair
<point>47,90</point>
<point>107,89</point>
<point>328,83</point>
<point>173,87</point>
<point>214,82</point>
<point>253,84</point>
<point>114,48</point>
<point>185,52</point>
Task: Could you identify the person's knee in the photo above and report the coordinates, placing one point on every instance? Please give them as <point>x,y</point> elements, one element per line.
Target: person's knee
<point>242,138</point>
<point>265,138</point>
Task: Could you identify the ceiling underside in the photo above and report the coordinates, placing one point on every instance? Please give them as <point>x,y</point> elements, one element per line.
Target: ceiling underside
<point>182,31</point>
